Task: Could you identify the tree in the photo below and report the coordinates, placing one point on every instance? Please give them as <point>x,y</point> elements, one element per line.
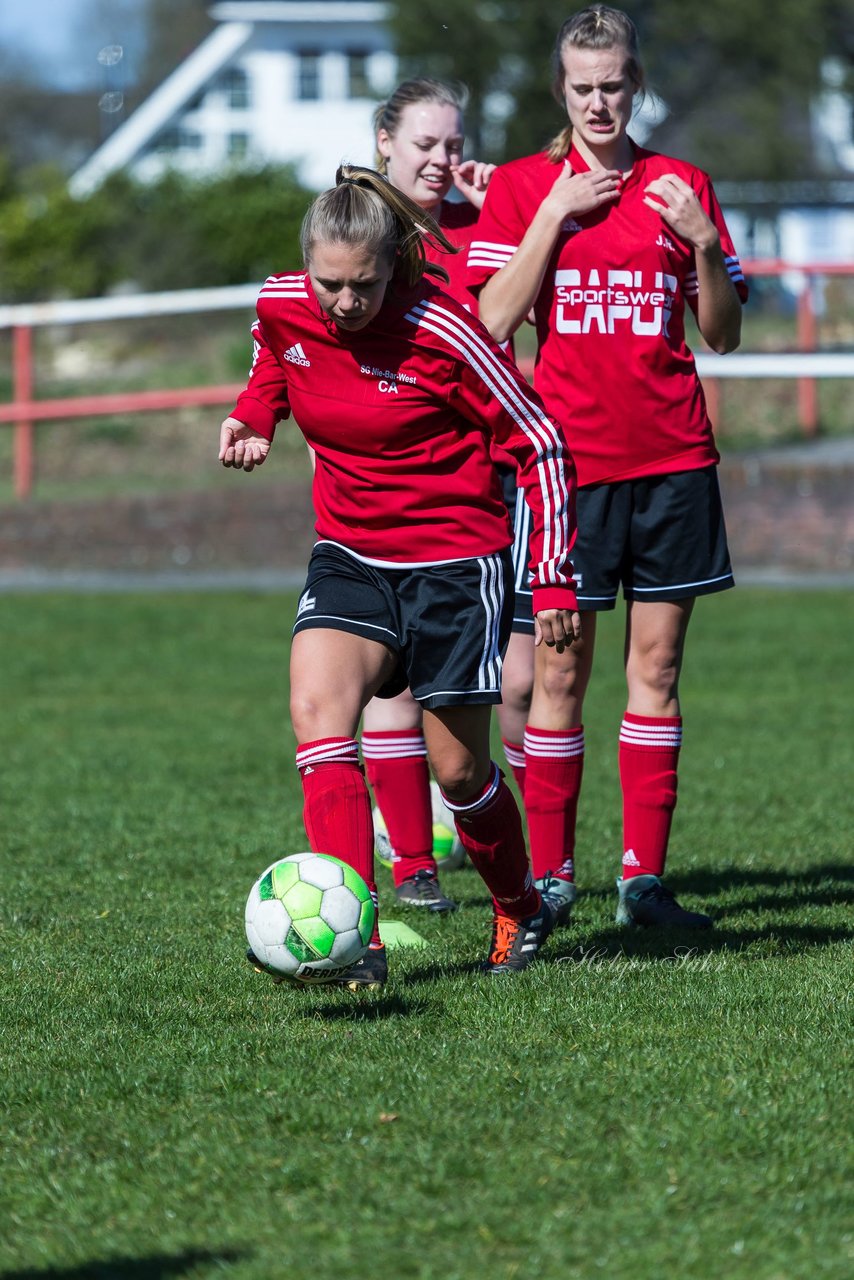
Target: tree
<point>738,83</point>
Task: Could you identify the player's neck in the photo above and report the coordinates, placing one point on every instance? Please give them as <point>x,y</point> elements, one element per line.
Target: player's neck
<point>618,154</point>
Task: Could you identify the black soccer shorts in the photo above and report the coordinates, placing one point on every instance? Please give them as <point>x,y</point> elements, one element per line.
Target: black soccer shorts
<point>448,623</point>
<point>659,538</point>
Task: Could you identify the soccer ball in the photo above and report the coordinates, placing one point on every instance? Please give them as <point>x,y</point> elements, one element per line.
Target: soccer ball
<point>309,917</point>
<point>447,850</point>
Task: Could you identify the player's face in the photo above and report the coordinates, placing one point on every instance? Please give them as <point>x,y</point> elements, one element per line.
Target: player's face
<point>349,282</point>
<point>598,92</point>
<point>428,141</point>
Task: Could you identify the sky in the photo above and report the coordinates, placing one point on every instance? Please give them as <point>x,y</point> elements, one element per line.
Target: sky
<point>60,39</point>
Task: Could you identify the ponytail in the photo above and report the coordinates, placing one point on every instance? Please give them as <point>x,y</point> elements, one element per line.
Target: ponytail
<point>363,209</point>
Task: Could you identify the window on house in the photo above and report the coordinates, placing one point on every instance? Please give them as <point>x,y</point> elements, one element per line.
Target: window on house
<point>235,84</point>
<point>308,75</point>
<point>238,145</point>
<point>358,80</point>
<point>179,138</point>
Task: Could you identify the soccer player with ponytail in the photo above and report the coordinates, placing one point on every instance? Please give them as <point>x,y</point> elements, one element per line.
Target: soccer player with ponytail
<point>399,392</point>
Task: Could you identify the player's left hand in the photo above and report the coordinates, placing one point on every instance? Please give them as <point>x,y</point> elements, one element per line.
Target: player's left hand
<point>557,628</point>
<point>471,178</point>
<point>676,202</point>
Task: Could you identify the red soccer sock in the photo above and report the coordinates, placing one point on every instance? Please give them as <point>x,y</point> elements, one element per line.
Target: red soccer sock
<point>554,762</point>
<point>514,753</point>
<point>490,831</point>
<point>396,765</point>
<point>337,807</point>
<point>649,756</point>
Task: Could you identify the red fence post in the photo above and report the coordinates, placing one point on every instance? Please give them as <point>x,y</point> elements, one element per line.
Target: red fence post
<point>807,334</point>
<point>22,391</point>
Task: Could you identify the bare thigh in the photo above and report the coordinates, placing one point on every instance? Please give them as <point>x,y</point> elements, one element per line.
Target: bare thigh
<point>333,676</point>
<point>384,715</point>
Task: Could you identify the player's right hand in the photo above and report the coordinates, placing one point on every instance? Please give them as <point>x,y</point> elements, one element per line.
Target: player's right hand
<point>240,446</point>
<point>574,193</point>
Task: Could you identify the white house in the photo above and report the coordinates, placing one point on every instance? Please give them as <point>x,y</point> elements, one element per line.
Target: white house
<point>277,81</point>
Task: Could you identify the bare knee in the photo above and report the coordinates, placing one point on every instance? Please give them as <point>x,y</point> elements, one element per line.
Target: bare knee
<point>517,677</point>
<point>516,691</point>
<point>460,779</point>
<point>653,675</point>
<point>318,713</point>
<point>306,714</point>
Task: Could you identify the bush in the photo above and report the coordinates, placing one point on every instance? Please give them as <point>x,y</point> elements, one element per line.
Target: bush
<point>175,233</point>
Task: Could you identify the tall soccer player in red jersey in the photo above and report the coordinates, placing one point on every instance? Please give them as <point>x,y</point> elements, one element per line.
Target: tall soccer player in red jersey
<point>608,242</point>
<point>398,391</point>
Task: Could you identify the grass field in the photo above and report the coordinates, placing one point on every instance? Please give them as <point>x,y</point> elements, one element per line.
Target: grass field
<point>633,1107</point>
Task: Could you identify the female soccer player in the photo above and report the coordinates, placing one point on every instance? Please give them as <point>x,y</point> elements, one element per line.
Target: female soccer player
<point>607,242</point>
<point>399,391</point>
<point>419,138</point>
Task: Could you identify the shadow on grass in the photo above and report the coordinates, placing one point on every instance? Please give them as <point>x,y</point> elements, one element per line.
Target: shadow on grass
<point>364,1006</point>
<point>680,945</point>
<point>157,1267</point>
<point>778,888</point>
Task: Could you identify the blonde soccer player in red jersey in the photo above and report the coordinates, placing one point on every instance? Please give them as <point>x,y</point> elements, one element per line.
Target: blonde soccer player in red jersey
<point>608,243</point>
<point>419,133</point>
<point>399,391</point>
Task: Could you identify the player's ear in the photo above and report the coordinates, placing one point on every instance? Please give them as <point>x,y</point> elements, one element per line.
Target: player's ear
<point>384,143</point>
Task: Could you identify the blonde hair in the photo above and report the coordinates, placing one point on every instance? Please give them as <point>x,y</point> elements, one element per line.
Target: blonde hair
<point>408,93</point>
<point>598,27</point>
<point>363,209</point>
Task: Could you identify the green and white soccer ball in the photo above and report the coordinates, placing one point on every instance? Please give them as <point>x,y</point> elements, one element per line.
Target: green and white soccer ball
<point>447,850</point>
<point>309,917</point>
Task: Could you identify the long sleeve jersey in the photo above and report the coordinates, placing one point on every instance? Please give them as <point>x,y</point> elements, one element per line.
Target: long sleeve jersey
<point>613,364</point>
<point>401,415</point>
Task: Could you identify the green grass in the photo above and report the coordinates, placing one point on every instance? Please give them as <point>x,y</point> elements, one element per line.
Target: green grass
<point>633,1107</point>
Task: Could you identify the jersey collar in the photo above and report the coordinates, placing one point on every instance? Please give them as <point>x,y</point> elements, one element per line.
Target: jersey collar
<point>578,164</point>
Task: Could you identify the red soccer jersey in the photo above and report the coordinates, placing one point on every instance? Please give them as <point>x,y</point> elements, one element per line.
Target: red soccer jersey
<point>459,223</point>
<point>613,365</point>
<point>401,415</point>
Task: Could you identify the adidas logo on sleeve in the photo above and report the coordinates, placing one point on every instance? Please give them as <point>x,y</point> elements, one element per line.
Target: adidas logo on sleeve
<point>296,355</point>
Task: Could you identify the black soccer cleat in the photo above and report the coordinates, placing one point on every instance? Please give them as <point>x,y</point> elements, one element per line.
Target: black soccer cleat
<point>515,943</point>
<point>369,973</point>
<point>645,901</point>
<point>422,890</point>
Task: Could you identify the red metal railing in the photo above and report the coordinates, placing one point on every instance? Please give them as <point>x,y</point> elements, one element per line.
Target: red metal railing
<point>24,410</point>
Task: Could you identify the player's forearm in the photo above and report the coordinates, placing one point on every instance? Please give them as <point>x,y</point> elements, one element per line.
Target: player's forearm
<point>718,304</point>
<point>506,298</point>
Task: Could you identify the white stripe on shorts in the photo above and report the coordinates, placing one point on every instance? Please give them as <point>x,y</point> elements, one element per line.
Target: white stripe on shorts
<point>492,595</point>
